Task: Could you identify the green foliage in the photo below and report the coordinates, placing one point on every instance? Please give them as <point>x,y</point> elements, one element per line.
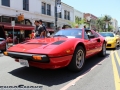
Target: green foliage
<point>78,22</point>
<point>72,24</point>
<point>110,28</point>
<point>101,23</point>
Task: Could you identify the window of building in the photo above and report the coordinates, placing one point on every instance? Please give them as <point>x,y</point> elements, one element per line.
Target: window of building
<point>68,15</point>
<point>48,9</point>
<point>6,3</point>
<point>43,8</point>
<point>65,14</point>
<point>6,19</point>
<point>60,15</point>
<point>26,5</point>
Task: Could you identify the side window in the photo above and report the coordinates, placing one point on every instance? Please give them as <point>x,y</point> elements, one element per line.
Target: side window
<point>85,36</point>
<point>96,35</point>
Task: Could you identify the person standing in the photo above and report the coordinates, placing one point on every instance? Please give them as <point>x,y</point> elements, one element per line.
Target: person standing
<point>33,35</point>
<point>39,29</point>
<point>36,29</point>
<point>44,32</point>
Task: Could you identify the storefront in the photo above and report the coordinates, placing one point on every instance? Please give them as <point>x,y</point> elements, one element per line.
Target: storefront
<point>21,32</point>
<point>49,26</point>
<point>23,27</point>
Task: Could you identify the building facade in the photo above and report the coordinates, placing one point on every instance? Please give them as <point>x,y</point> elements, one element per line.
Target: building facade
<point>114,23</point>
<point>36,10</point>
<point>78,16</point>
<point>91,20</point>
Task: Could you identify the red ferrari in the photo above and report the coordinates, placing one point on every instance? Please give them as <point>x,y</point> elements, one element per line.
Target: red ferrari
<point>66,48</point>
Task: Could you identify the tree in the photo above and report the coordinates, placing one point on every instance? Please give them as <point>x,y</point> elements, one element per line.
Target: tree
<point>110,28</point>
<point>78,22</point>
<point>100,24</point>
<point>107,20</point>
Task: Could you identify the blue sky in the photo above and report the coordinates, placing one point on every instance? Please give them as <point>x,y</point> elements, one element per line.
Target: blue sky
<point>97,7</point>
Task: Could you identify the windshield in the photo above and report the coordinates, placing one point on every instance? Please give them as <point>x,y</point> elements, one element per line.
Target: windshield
<point>69,33</point>
<point>107,34</point>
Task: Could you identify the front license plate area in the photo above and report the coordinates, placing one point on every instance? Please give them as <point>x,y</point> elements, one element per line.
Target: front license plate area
<point>24,62</point>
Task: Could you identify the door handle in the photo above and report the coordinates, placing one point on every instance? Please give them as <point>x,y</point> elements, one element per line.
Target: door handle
<point>98,40</point>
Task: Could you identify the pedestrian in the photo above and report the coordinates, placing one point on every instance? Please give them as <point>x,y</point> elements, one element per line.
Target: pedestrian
<point>39,29</point>
<point>33,35</point>
<point>76,26</point>
<point>84,27</point>
<point>44,33</point>
<point>36,23</point>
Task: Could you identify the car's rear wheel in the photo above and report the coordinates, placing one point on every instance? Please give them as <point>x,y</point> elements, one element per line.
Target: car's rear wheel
<point>103,51</point>
<point>78,59</point>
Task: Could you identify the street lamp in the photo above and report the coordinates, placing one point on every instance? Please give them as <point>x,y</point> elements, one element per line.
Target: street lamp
<point>89,21</point>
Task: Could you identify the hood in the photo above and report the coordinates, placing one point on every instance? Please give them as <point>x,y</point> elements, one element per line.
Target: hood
<point>38,45</point>
<point>110,38</point>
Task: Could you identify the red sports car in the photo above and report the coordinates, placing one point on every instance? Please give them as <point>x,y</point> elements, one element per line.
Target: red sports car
<point>67,48</point>
<point>2,44</point>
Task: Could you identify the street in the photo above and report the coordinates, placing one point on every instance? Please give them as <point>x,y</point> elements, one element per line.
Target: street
<point>98,74</point>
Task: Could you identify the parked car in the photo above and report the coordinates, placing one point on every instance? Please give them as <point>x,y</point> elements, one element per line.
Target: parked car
<point>67,48</point>
<point>2,45</point>
<point>112,40</point>
<point>118,39</point>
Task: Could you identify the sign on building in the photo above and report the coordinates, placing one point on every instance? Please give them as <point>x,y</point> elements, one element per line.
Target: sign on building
<point>12,23</point>
<point>59,7</point>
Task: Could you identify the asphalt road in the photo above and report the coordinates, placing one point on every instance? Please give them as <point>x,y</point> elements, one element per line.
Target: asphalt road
<point>98,74</point>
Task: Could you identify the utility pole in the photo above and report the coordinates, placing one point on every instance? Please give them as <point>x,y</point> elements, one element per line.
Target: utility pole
<point>56,15</point>
<point>58,9</point>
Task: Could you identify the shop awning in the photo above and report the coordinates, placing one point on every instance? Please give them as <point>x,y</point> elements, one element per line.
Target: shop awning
<point>17,27</point>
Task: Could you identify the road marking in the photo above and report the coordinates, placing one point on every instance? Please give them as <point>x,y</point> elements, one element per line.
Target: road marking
<point>79,77</point>
<point>118,58</point>
<point>115,71</point>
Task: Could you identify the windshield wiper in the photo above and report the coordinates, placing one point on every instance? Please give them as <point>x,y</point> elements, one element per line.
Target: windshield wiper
<point>60,36</point>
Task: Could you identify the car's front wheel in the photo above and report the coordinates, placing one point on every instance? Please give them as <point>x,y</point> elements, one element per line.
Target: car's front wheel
<point>78,59</point>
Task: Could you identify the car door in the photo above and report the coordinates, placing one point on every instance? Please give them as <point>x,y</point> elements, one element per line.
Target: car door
<point>90,50</point>
<point>97,42</point>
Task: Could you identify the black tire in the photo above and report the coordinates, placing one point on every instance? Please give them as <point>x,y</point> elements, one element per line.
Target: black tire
<point>73,66</point>
<point>103,51</point>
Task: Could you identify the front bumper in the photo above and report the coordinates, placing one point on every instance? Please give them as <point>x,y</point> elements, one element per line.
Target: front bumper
<point>111,45</point>
<point>45,63</point>
<point>29,57</point>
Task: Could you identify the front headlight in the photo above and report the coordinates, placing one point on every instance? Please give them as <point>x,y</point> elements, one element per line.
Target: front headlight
<point>38,57</point>
<point>5,53</point>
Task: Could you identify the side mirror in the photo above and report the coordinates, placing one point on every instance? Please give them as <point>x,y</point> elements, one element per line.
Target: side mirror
<point>91,36</point>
